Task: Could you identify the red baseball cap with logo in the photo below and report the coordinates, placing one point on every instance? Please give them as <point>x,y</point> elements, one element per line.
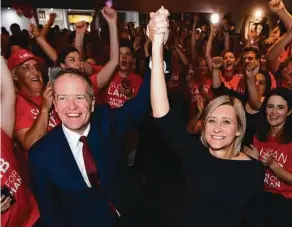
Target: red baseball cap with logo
<point>21,56</point>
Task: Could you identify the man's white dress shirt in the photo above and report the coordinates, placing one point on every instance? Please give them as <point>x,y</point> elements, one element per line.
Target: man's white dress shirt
<point>76,148</point>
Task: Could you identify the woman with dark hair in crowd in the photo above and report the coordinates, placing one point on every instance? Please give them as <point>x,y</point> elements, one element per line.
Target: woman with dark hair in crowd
<point>273,147</point>
<point>228,72</point>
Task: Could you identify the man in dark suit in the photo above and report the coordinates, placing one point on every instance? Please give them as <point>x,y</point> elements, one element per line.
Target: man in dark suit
<point>68,191</point>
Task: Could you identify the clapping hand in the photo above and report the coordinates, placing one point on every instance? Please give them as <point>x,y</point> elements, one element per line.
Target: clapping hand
<point>252,152</point>
<point>266,158</point>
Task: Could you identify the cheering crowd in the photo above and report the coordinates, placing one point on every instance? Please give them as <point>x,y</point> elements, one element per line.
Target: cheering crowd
<point>177,123</point>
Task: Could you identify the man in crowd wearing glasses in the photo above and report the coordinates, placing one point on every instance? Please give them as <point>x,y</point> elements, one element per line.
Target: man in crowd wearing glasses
<point>34,113</point>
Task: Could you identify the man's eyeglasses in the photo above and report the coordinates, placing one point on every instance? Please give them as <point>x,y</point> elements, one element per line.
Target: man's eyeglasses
<point>30,67</point>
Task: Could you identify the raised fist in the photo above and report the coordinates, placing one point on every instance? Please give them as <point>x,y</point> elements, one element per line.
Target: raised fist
<point>109,14</point>
<point>53,17</point>
<point>34,30</point>
<point>214,30</point>
<point>276,6</point>
<point>81,27</point>
<point>217,62</point>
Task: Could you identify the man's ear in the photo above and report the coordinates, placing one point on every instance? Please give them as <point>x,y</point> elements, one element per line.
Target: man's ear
<point>289,112</point>
<point>54,103</point>
<point>62,66</point>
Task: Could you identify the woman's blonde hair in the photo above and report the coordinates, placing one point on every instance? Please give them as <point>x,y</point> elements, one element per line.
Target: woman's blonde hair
<point>240,117</point>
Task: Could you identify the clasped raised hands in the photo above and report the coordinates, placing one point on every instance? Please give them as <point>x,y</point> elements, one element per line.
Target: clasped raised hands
<point>158,27</point>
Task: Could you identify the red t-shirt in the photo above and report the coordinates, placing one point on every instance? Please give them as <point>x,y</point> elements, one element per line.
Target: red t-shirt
<point>236,82</point>
<point>24,212</point>
<point>282,153</point>
<point>174,84</point>
<point>112,94</point>
<point>196,90</point>
<point>95,70</point>
<point>190,73</point>
<point>27,110</point>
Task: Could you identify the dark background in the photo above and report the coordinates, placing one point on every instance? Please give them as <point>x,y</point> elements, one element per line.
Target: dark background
<point>232,6</point>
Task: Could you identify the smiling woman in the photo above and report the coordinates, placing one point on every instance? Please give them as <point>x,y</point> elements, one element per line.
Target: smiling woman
<point>224,186</point>
<point>273,147</point>
<point>224,126</point>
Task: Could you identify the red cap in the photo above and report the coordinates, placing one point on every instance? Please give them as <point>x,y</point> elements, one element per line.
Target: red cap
<point>19,57</point>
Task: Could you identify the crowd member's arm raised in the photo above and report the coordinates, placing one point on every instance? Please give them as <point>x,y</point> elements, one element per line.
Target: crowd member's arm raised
<point>216,65</point>
<point>42,42</point>
<point>208,54</point>
<point>181,55</point>
<point>168,120</point>
<point>193,39</point>
<point>107,71</point>
<point>7,100</point>
<point>278,7</point>
<point>48,25</point>
<point>242,28</point>
<point>226,41</point>
<point>80,31</point>
<point>158,33</point>
<point>7,117</point>
<point>276,50</point>
<point>253,96</point>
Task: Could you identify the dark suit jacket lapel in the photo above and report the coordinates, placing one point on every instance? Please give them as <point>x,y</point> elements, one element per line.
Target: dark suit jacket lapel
<point>93,141</point>
<point>67,158</point>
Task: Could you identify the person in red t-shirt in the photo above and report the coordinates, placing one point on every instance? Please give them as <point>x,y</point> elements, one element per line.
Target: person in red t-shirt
<point>34,112</point>
<point>228,75</point>
<point>175,82</point>
<point>199,84</point>
<point>273,147</point>
<point>18,206</point>
<point>125,84</point>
